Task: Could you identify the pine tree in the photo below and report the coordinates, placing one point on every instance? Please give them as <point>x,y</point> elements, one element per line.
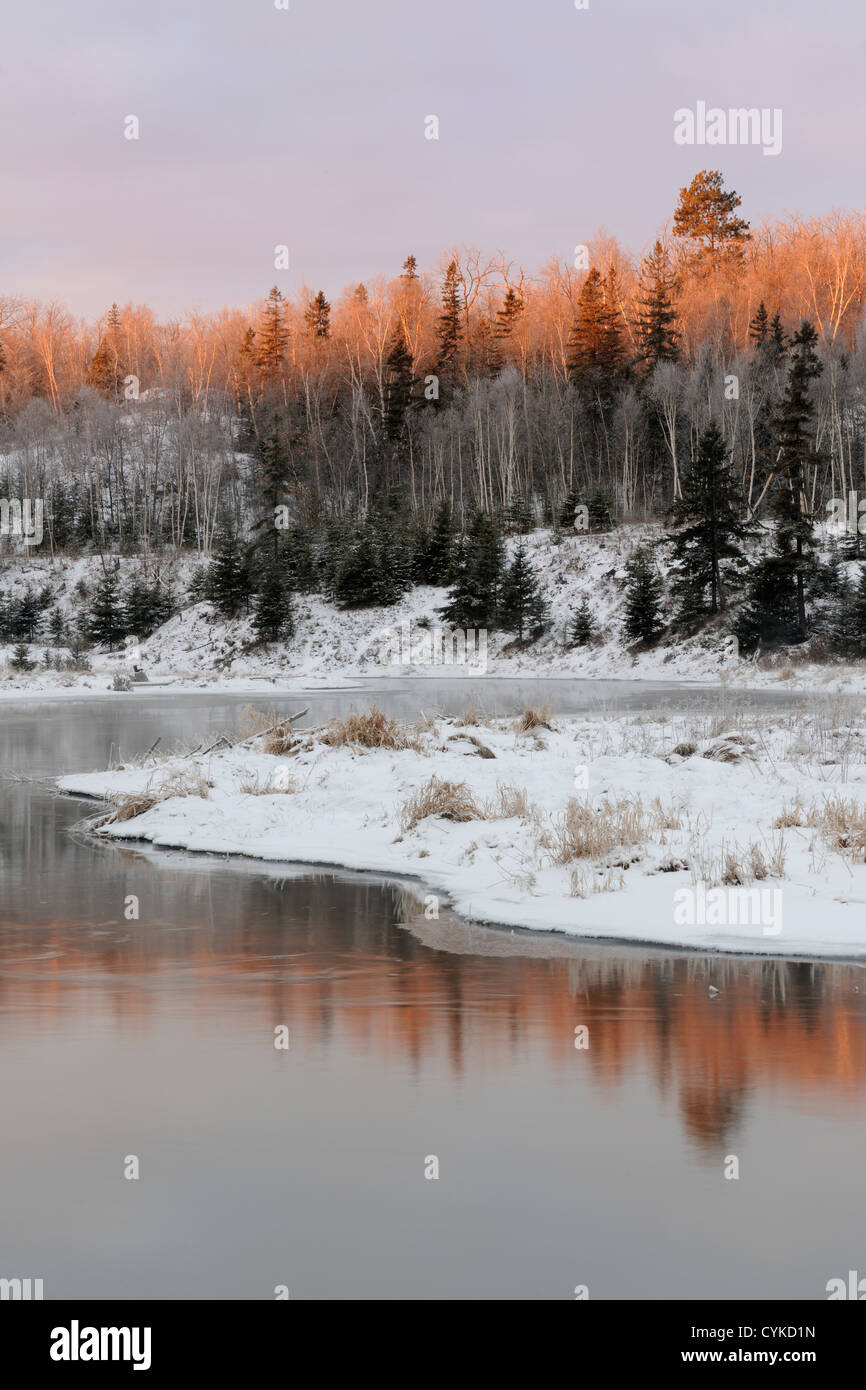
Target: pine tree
<point>847,636</point>
<point>708,528</point>
<point>759,325</point>
<point>317,316</point>
<point>450,323</point>
<point>272,336</point>
<point>20,659</point>
<point>104,373</point>
<point>600,511</point>
<point>705,215</point>
<point>436,564</point>
<point>595,351</point>
<point>479,567</point>
<point>57,628</point>
<point>656,330</point>
<point>768,616</point>
<point>644,596</point>
<point>105,624</point>
<point>522,607</point>
<point>583,627</point>
<point>229,579</point>
<point>794,441</point>
<point>398,388</point>
<point>507,319</point>
<point>273,617</point>
<point>410,268</point>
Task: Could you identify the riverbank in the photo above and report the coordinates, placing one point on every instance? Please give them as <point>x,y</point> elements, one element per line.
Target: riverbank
<point>743,833</point>
<point>196,649</point>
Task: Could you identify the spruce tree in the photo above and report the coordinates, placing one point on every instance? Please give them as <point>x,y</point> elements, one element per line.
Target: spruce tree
<point>20,659</point>
<point>398,386</point>
<point>708,528</point>
<point>272,336</point>
<point>847,635</point>
<point>439,551</point>
<point>479,565</point>
<point>583,628</point>
<point>229,580</point>
<point>522,607</point>
<point>595,351</point>
<point>317,316</point>
<point>759,325</point>
<point>794,432</point>
<point>644,595</point>
<point>657,336</point>
<point>273,617</point>
<point>105,624</point>
<point>450,323</point>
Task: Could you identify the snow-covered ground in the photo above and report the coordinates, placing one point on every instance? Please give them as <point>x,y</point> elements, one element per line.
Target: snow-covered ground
<point>692,831</point>
<point>196,648</point>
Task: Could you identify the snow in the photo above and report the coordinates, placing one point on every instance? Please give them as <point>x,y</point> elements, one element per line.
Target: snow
<point>343,808</point>
<point>196,649</point>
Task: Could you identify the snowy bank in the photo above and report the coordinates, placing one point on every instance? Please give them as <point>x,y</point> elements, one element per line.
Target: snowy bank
<point>197,649</point>
<point>689,831</point>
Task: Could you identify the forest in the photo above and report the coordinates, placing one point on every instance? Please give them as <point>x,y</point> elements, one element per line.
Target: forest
<point>714,384</point>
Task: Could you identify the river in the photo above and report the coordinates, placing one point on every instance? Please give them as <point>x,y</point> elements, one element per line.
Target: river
<point>304,1167</point>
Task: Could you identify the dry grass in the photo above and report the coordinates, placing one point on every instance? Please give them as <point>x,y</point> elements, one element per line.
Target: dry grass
<point>584,884</point>
<point>128,807</point>
<point>371,730</point>
<point>279,740</point>
<point>586,832</point>
<point>253,721</point>
<point>189,782</point>
<point>536,717</point>
<point>274,784</point>
<point>736,866</point>
<point>840,821</point>
<point>450,800</point>
<point>472,717</point>
<point>510,801</point>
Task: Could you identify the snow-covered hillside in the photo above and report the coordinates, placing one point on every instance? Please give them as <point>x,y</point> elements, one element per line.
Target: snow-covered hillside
<point>197,647</point>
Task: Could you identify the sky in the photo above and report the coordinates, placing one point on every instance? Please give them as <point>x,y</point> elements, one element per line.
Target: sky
<point>305,127</point>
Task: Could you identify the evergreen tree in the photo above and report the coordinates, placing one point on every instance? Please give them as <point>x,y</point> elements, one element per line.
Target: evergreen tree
<point>794,441</point>
<point>644,596</point>
<point>317,316</point>
<point>450,323</point>
<point>583,627</point>
<point>600,511</point>
<point>705,215</point>
<point>104,372</point>
<point>522,607</point>
<point>57,628</point>
<point>507,318</point>
<point>847,636</point>
<point>410,268</point>
<point>105,624</point>
<point>708,528</point>
<point>768,616</point>
<point>657,334</point>
<point>479,566</point>
<point>20,659</point>
<point>272,336</point>
<point>759,325</point>
<point>439,551</point>
<point>273,617</point>
<point>398,388</point>
<point>229,580</point>
<point>299,559</point>
<point>595,351</point>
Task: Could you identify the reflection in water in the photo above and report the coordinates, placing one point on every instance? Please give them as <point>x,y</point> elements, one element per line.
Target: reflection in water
<point>314,949</point>
<point>408,1037</point>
